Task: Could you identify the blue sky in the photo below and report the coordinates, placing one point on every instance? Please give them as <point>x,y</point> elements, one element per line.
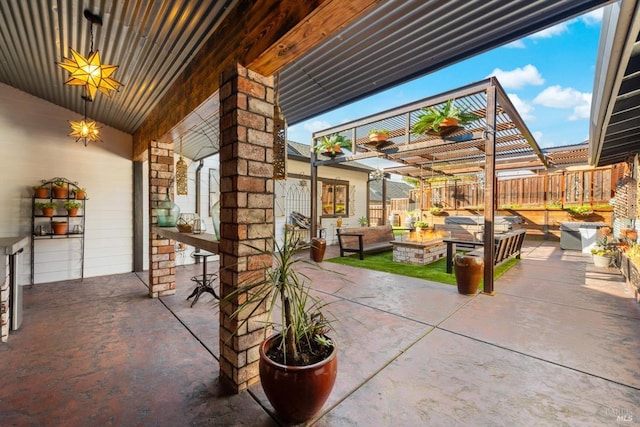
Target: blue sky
<point>548,76</point>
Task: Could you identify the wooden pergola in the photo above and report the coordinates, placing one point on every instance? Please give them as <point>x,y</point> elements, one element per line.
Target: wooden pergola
<point>498,140</point>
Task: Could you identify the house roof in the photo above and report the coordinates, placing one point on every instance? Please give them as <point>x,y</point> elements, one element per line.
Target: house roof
<point>615,108</point>
<point>395,190</point>
<point>155,42</point>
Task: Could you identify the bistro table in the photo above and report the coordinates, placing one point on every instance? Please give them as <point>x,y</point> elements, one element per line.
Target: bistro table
<point>203,241</point>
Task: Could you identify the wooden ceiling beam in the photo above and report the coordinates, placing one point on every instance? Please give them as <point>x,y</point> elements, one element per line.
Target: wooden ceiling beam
<point>263,35</point>
<point>327,19</point>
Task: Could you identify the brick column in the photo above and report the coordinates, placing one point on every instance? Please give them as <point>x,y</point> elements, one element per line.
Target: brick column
<point>162,274</point>
<point>246,187</point>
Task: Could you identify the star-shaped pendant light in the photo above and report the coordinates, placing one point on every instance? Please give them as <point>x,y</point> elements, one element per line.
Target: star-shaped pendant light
<point>85,130</point>
<point>89,71</point>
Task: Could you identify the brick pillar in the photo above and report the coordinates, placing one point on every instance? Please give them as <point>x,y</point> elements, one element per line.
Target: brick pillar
<point>162,274</point>
<point>246,187</point>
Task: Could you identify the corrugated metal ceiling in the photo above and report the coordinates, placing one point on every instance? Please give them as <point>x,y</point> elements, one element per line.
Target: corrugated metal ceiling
<point>402,40</point>
<point>615,124</point>
<point>153,41</point>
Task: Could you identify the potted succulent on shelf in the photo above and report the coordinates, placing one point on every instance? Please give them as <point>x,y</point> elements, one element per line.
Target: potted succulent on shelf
<point>59,227</point>
<point>298,364</point>
<point>47,208</point>
<point>81,193</point>
<point>442,121</point>
<point>41,191</point>
<point>60,189</point>
<point>332,145</point>
<point>363,221</point>
<point>72,207</point>
<point>378,135</point>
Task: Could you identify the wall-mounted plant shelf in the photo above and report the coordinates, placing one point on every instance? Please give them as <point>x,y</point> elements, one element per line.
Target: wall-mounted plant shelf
<point>61,224</point>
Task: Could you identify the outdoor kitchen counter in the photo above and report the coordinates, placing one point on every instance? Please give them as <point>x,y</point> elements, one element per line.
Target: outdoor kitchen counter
<point>11,245</point>
<point>10,289</point>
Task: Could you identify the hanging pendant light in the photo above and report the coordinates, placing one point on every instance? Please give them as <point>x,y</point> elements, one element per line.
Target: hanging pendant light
<point>89,71</point>
<point>85,130</point>
<point>181,174</point>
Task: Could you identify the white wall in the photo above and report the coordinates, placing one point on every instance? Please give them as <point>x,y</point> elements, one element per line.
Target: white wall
<point>357,195</point>
<point>35,146</point>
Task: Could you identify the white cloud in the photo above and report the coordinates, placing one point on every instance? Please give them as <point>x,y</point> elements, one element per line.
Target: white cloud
<point>518,44</point>
<point>582,111</point>
<point>592,18</point>
<point>316,125</point>
<point>524,108</point>
<point>537,135</point>
<point>558,97</point>
<point>547,33</point>
<point>519,77</point>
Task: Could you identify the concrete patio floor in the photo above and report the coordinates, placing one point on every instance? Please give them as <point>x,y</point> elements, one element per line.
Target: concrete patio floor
<point>557,345</point>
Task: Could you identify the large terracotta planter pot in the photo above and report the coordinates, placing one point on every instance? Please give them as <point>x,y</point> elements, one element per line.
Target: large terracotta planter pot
<point>318,247</point>
<point>297,393</point>
<point>469,270</point>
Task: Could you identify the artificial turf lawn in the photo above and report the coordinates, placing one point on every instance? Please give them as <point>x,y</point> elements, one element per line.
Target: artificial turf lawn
<point>436,272</point>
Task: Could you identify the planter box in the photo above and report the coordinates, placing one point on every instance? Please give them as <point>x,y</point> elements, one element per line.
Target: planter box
<point>631,273</point>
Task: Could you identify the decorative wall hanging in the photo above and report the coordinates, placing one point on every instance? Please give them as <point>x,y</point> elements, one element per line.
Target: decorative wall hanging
<point>181,174</point>
<point>279,136</point>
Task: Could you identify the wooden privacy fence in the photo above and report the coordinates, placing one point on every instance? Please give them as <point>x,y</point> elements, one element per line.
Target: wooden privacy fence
<point>593,187</point>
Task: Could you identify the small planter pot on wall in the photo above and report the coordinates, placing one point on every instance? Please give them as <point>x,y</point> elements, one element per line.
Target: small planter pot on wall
<point>469,270</point>
<point>60,190</point>
<point>297,393</point>
<point>81,194</point>
<point>40,192</point>
<point>59,227</point>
